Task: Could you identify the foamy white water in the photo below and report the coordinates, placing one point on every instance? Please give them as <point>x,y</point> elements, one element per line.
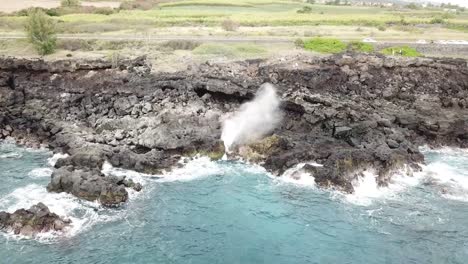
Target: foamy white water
<point>198,167</point>
<point>82,214</point>
<point>296,175</point>
<point>40,173</point>
<point>52,160</point>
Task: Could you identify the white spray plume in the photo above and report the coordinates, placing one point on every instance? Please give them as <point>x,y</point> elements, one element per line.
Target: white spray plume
<point>253,120</point>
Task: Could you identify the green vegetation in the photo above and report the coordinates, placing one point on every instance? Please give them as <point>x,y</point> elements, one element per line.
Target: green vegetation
<point>229,25</point>
<point>305,10</point>
<point>325,45</point>
<point>70,3</point>
<point>405,51</point>
<point>244,12</point>
<point>41,31</point>
<point>360,46</point>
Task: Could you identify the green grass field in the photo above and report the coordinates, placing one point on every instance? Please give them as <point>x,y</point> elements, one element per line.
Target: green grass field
<point>248,13</point>
<point>254,18</point>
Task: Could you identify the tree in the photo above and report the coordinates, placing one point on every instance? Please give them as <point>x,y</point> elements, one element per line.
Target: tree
<point>41,31</point>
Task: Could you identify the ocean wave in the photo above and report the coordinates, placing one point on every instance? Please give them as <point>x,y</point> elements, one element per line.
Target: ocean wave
<point>40,173</point>
<point>83,214</point>
<point>367,190</point>
<point>451,182</point>
<point>444,150</point>
<point>298,176</point>
<point>52,160</point>
<point>445,173</point>
<point>191,169</point>
<point>11,155</point>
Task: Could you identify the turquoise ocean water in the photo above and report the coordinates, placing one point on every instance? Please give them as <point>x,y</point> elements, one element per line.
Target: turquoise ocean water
<point>227,212</point>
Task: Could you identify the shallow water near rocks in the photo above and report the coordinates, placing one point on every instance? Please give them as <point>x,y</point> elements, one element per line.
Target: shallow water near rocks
<point>225,212</point>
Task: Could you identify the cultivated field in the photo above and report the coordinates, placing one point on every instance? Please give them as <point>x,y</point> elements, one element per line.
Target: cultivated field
<point>198,21</point>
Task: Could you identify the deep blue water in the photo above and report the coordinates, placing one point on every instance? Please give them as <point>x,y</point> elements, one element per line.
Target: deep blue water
<point>224,212</point>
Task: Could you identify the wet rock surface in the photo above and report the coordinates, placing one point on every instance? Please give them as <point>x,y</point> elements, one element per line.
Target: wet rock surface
<point>30,222</point>
<point>348,112</point>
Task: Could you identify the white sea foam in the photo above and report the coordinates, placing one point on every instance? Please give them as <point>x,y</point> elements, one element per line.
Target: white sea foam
<point>40,173</point>
<point>196,168</point>
<point>108,170</point>
<point>444,150</point>
<point>296,175</point>
<point>137,177</point>
<point>254,119</point>
<point>452,183</point>
<point>11,155</point>
<point>52,160</point>
<point>82,214</point>
<point>366,189</point>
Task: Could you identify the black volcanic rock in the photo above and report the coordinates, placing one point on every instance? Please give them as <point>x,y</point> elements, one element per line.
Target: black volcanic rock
<point>348,112</point>
<point>32,221</point>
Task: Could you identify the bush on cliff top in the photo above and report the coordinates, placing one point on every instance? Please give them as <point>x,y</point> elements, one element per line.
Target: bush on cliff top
<point>325,45</point>
<point>40,29</point>
<point>404,51</point>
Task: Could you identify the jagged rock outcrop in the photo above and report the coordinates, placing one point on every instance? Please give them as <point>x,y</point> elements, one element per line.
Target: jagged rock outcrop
<point>348,112</point>
<point>32,221</point>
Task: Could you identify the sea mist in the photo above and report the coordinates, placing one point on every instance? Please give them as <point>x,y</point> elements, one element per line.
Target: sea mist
<point>253,120</point>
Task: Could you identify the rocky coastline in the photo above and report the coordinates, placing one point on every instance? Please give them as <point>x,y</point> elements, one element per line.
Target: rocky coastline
<point>349,112</point>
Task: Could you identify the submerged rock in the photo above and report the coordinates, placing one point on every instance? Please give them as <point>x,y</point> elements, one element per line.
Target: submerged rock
<point>30,222</point>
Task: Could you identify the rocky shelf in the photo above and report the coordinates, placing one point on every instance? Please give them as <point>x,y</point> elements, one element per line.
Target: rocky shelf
<point>349,112</point>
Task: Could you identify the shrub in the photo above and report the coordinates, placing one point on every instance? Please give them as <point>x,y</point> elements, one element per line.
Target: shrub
<point>405,51</point>
<point>103,11</point>
<point>299,43</point>
<point>229,25</point>
<point>138,4</point>
<point>305,10</point>
<point>381,28</point>
<point>325,45</point>
<point>41,31</point>
<point>360,46</point>
<point>180,44</point>
<point>437,20</point>
<point>70,3</point>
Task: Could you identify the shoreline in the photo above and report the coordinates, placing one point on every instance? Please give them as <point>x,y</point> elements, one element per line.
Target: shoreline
<point>348,112</point>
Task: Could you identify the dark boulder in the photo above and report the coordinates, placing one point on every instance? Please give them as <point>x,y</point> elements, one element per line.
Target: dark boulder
<point>91,185</point>
<point>30,222</point>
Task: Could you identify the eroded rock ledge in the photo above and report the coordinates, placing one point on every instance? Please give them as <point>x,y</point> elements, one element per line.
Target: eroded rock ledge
<point>348,112</point>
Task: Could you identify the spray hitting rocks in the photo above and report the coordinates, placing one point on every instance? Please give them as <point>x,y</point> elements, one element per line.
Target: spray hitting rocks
<point>253,120</point>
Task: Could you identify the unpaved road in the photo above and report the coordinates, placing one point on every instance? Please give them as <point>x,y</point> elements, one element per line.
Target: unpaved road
<point>9,6</point>
<point>448,49</point>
